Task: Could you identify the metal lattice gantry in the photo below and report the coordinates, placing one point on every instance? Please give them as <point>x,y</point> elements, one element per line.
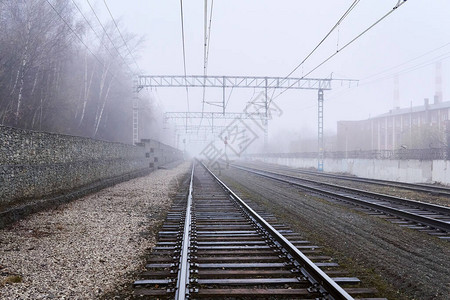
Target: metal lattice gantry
<point>224,82</point>
<point>208,117</point>
<point>212,122</point>
<point>200,133</point>
<point>233,82</point>
<point>200,129</point>
<point>211,115</point>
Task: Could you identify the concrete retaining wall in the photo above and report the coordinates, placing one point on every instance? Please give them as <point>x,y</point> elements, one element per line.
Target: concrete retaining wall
<point>413,171</point>
<point>37,164</point>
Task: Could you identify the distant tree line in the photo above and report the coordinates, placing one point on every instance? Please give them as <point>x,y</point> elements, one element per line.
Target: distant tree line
<point>50,81</point>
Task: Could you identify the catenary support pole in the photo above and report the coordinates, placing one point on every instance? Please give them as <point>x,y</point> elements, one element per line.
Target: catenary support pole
<point>320,150</point>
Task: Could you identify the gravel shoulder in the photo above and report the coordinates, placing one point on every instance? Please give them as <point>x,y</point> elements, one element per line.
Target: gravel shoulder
<point>401,263</point>
<point>89,247</point>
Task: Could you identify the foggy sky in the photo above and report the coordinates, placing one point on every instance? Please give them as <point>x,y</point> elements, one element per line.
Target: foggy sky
<point>269,38</point>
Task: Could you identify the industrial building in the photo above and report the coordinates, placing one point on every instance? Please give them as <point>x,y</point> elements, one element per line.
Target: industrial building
<point>417,127</point>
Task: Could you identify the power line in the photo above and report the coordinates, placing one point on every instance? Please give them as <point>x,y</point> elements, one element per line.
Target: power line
<point>207,43</point>
<point>76,35</point>
<point>205,46</point>
<point>443,56</point>
<point>352,6</point>
<point>184,52</point>
<point>206,54</point>
<point>347,12</point>
<point>81,41</point>
<point>108,36</point>
<point>337,95</point>
<point>92,28</point>
<point>73,31</point>
<point>229,96</point>
<point>120,33</point>
<point>408,61</point>
<point>205,39</point>
<point>209,33</point>
<point>400,3</point>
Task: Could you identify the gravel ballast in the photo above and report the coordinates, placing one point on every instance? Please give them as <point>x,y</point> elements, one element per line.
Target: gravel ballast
<point>401,263</point>
<point>375,188</point>
<point>88,247</point>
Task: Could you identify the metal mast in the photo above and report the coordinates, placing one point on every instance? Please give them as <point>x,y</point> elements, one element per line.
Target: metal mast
<point>135,113</point>
<point>320,148</point>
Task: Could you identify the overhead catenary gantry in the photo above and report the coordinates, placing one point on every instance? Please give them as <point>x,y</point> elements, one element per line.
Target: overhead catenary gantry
<point>209,126</point>
<point>233,82</point>
<point>199,133</point>
<point>210,115</point>
<point>200,129</point>
<point>224,82</point>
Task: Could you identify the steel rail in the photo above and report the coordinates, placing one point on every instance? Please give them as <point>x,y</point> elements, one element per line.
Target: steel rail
<point>441,225</point>
<point>182,290</point>
<point>437,190</point>
<point>328,285</point>
<point>407,202</point>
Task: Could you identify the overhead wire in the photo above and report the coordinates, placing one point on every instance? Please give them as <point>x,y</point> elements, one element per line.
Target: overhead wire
<point>400,3</point>
<point>346,13</point>
<point>81,40</point>
<point>408,61</point>
<point>74,32</point>
<point>206,45</point>
<point>205,32</point>
<point>206,55</point>
<point>440,57</point>
<point>123,39</point>
<point>229,96</point>
<point>109,37</point>
<point>209,34</point>
<point>184,53</point>
<point>92,28</point>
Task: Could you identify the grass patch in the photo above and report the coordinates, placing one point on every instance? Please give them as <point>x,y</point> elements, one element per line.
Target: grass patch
<point>12,279</point>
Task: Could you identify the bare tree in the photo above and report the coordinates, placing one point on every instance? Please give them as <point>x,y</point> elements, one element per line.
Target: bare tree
<point>50,81</point>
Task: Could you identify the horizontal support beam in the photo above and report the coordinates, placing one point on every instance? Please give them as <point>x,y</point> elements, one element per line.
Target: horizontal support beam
<point>234,82</point>
<point>212,115</point>
<point>201,128</point>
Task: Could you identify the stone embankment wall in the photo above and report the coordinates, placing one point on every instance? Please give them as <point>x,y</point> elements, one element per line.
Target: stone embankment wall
<point>37,164</point>
<point>411,170</point>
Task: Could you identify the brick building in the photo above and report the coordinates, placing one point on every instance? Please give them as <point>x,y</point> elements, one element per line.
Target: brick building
<point>416,127</point>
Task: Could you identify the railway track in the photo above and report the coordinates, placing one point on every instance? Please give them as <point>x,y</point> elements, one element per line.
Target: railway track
<point>430,218</point>
<point>214,245</point>
<point>426,188</point>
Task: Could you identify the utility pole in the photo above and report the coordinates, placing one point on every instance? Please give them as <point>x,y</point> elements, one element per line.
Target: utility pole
<point>223,97</point>
<point>135,112</point>
<point>266,118</point>
<point>320,151</point>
